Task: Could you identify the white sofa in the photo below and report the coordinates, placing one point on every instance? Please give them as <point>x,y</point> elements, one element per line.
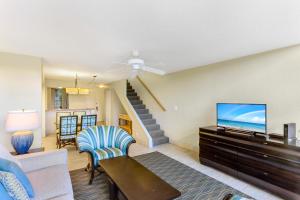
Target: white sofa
<point>48,173</point>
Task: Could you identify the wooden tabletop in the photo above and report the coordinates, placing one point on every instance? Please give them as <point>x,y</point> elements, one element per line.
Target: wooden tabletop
<point>137,182</point>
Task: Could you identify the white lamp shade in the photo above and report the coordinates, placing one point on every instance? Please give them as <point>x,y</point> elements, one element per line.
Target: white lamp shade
<point>22,121</point>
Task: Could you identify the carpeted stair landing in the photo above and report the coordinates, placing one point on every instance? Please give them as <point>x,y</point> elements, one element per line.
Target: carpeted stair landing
<point>192,184</point>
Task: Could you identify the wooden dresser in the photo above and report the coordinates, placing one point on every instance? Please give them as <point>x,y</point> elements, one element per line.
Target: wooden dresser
<point>271,165</point>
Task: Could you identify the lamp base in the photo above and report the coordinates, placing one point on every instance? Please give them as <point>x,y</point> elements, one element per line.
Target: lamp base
<point>22,141</point>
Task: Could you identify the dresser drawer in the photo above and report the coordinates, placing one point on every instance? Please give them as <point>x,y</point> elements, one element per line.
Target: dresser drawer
<point>218,144</point>
<point>283,155</point>
<point>263,170</point>
<point>275,161</point>
<point>218,155</point>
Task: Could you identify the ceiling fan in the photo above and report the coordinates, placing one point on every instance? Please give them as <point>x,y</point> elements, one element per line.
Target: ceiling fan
<point>137,64</point>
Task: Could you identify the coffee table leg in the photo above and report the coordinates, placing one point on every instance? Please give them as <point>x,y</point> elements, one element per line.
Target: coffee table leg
<point>113,190</point>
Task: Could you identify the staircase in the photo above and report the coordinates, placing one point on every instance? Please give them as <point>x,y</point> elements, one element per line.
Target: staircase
<point>158,136</point>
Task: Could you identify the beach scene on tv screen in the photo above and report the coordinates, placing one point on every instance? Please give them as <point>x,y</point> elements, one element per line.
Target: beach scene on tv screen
<point>242,116</point>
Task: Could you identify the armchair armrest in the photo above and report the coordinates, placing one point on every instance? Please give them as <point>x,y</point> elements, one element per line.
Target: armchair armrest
<point>40,160</point>
<point>127,148</point>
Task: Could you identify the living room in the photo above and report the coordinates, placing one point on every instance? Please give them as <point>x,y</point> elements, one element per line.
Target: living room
<point>97,105</point>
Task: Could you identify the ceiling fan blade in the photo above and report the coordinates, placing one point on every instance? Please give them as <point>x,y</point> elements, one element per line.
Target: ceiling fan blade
<point>153,70</point>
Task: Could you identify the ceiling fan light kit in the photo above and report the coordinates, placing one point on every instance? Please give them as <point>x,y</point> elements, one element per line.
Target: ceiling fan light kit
<point>138,64</point>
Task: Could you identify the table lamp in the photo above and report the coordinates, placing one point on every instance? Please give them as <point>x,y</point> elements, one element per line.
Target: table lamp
<point>22,123</point>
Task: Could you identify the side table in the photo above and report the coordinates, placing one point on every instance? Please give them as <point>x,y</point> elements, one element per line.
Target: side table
<point>41,149</point>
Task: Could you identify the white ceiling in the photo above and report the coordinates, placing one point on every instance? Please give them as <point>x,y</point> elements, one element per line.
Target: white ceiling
<point>88,36</point>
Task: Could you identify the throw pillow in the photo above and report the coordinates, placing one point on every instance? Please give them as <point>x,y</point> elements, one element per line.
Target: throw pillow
<point>13,186</point>
<point>8,166</point>
<point>4,153</point>
<point>3,193</point>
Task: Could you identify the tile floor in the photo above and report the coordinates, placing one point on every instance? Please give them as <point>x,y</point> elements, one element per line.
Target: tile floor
<point>189,158</point>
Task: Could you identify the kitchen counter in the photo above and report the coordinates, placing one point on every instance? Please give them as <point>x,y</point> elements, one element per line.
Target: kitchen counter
<point>72,109</point>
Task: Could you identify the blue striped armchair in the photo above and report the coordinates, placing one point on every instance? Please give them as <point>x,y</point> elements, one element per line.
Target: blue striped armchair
<point>103,142</point>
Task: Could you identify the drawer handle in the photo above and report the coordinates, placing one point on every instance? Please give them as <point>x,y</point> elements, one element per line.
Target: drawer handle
<point>266,174</point>
<point>215,142</point>
<point>266,156</point>
<point>265,143</point>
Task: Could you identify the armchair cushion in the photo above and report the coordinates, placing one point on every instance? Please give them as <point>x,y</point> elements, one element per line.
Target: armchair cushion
<point>106,153</point>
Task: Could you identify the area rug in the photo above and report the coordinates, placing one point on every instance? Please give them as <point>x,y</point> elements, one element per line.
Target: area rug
<point>192,184</point>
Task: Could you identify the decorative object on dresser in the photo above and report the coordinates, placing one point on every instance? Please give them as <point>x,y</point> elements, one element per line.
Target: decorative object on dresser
<point>125,123</point>
<point>22,123</point>
<point>115,142</point>
<point>67,131</point>
<point>289,131</point>
<point>271,165</point>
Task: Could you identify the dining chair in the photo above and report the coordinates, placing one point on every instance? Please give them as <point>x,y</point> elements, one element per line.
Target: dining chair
<point>79,114</point>
<point>67,131</point>
<point>88,121</point>
<point>60,114</point>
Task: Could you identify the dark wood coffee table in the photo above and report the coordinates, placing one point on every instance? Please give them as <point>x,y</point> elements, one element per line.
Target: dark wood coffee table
<point>134,181</point>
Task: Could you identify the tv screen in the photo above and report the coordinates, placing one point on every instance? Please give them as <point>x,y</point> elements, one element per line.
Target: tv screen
<point>251,117</point>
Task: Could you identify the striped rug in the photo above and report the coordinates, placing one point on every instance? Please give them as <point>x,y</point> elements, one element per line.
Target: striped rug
<point>192,184</point>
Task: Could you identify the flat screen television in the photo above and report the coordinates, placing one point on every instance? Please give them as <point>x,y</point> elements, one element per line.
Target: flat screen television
<point>250,117</point>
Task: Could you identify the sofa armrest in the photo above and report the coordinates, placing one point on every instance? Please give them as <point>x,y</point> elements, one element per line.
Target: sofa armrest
<point>35,161</point>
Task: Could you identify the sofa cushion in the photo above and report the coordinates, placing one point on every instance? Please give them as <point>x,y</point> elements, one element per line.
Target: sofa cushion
<point>9,166</point>
<point>51,182</point>
<point>4,153</point>
<point>35,161</point>
<point>13,186</point>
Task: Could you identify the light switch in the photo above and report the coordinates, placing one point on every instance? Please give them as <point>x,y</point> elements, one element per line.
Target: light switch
<point>176,108</point>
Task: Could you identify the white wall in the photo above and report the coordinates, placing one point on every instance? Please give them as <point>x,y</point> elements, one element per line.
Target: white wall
<point>272,78</point>
<point>113,107</point>
<point>107,109</point>
<point>44,103</point>
<point>21,88</point>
